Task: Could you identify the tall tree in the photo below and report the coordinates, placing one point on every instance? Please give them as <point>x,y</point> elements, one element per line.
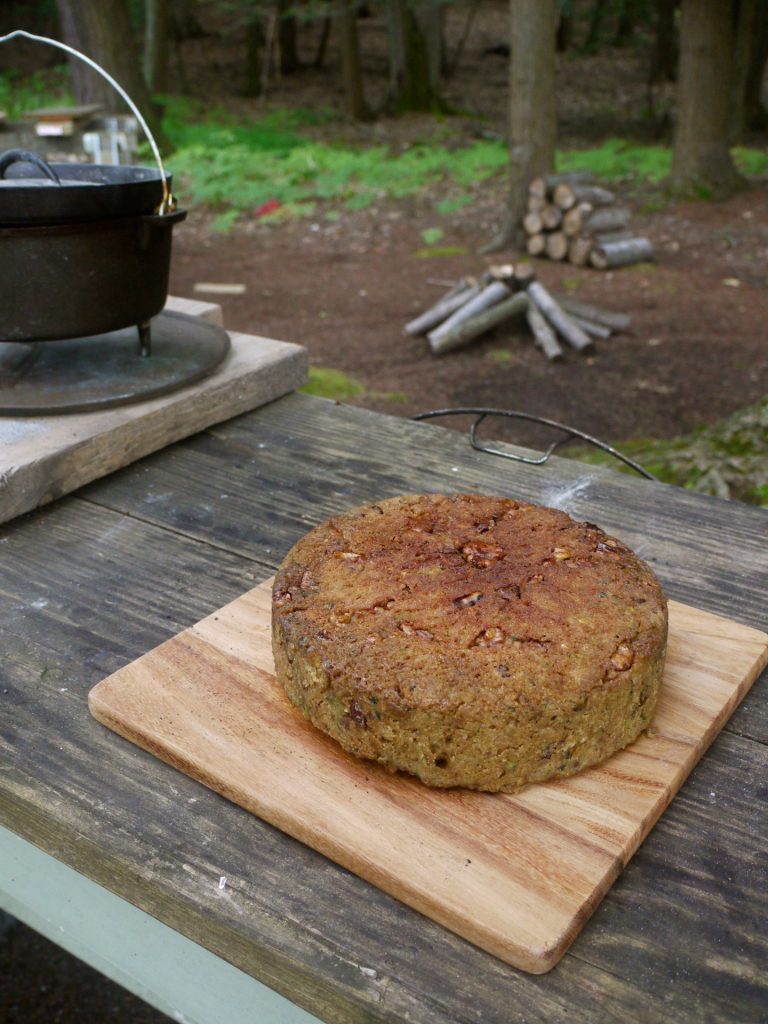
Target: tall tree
<point>101,29</point>
<point>532,105</point>
<point>749,58</point>
<point>665,51</point>
<point>414,66</point>
<point>354,97</point>
<point>157,26</point>
<point>701,152</point>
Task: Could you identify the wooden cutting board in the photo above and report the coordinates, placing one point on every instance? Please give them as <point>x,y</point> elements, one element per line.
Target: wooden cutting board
<point>517,875</point>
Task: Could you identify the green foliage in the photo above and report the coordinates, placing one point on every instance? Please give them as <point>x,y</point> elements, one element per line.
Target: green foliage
<point>728,459</point>
<point>223,223</point>
<point>431,236</point>
<point>223,161</point>
<point>47,88</point>
<point>339,387</point>
<point>751,162</point>
<point>622,160</point>
<point>332,384</point>
<point>618,159</point>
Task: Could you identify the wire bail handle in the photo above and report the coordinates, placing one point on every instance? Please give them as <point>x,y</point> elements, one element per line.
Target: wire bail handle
<point>168,203</point>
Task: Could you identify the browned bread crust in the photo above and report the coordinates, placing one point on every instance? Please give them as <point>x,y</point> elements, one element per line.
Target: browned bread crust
<point>471,640</point>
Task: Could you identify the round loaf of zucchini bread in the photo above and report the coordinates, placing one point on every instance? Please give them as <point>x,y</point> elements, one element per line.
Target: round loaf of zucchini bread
<point>470,640</point>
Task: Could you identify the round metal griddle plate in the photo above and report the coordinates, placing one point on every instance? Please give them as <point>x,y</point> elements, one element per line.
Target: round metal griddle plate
<point>86,374</point>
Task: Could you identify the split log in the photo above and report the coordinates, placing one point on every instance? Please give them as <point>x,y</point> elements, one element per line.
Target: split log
<point>606,317</point>
<point>551,217</point>
<point>556,245</point>
<point>541,187</point>
<point>532,223</point>
<point>538,188</point>
<point>592,194</point>
<point>524,273</point>
<point>557,317</point>
<point>536,245</point>
<point>500,272</point>
<point>536,204</point>
<point>543,334</point>
<point>563,196</point>
<point>474,326</point>
<point>465,290</point>
<point>595,330</point>
<point>579,250</point>
<point>621,254</point>
<point>570,178</point>
<point>606,237</point>
<point>575,218</point>
<point>609,218</point>
<point>489,296</point>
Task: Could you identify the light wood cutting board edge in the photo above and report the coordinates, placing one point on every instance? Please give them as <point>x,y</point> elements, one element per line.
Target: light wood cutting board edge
<point>529,956</point>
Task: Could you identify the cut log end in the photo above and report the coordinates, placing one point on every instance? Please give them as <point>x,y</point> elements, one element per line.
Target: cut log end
<point>535,245</point>
<point>556,245</point>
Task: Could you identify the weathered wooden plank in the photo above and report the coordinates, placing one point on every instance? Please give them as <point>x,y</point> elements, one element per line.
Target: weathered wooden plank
<point>43,457</point>
<point>255,485</point>
<point>295,920</point>
<point>310,930</point>
<point>709,931</point>
<point>301,462</point>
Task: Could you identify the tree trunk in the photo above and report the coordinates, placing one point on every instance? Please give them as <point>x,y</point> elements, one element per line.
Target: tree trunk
<point>287,39</point>
<point>564,32</point>
<point>665,52</point>
<point>411,69</point>
<point>354,97</point>
<point>701,156</point>
<point>157,25</point>
<point>101,30</point>
<point>254,42</point>
<point>592,41</point>
<point>750,52</point>
<point>532,105</point>
<point>627,21</point>
<point>756,114</point>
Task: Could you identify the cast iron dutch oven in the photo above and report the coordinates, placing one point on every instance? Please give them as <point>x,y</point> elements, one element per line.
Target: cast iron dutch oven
<point>84,248</point>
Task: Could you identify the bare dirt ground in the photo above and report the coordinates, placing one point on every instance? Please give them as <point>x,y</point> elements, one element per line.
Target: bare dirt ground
<point>696,349</point>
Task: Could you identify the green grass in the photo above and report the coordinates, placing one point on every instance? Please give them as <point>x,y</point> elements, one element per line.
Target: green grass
<point>224,163</point>
<point>48,88</point>
<point>332,384</point>
<point>728,458</point>
<point>621,160</point>
<point>340,387</point>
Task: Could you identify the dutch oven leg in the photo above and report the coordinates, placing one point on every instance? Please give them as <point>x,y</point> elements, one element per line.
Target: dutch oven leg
<point>145,338</point>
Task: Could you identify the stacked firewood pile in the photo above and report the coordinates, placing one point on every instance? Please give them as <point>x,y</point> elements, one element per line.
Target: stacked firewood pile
<point>570,218</point>
<point>474,307</point>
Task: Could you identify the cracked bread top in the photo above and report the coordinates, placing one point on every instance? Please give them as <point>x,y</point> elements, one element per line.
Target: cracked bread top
<point>442,601</point>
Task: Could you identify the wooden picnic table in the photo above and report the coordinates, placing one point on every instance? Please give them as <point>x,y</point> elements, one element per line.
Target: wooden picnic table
<point>119,857</point>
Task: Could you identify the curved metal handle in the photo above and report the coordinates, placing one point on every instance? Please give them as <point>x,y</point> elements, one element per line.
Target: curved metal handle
<point>168,203</point>
<point>24,156</point>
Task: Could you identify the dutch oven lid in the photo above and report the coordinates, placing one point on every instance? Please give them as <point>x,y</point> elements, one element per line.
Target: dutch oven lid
<point>35,192</point>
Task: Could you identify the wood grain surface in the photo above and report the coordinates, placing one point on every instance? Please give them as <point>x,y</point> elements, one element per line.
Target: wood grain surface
<point>95,580</point>
<point>516,875</point>
<point>44,457</point>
